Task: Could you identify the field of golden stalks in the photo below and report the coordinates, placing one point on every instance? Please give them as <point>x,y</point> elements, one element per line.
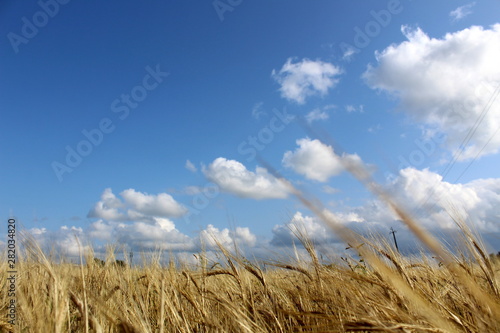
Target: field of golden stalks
<point>379,291</point>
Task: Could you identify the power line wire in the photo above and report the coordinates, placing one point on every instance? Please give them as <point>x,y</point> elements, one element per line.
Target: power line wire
<point>463,145</point>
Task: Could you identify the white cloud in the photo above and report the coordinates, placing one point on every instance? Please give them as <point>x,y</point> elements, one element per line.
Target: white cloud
<point>349,52</point>
<point>136,206</point>
<point>212,235</point>
<point>462,11</point>
<point>161,204</point>
<point>445,84</point>
<point>108,207</point>
<point>351,108</point>
<point>232,177</point>
<point>190,166</point>
<point>244,236</point>
<point>62,241</point>
<point>422,193</point>
<point>159,234</point>
<point>228,239</point>
<point>162,234</point>
<point>424,189</point>
<point>310,227</point>
<point>306,78</point>
<point>317,161</point>
<point>102,230</point>
<point>143,236</point>
<point>431,200</point>
<point>141,223</point>
<point>316,114</point>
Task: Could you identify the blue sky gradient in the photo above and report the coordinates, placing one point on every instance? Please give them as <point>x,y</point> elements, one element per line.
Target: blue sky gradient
<point>204,78</point>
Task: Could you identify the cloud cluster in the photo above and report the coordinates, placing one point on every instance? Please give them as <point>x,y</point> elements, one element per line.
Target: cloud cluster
<point>227,238</point>
<point>446,84</point>
<point>425,192</point>
<point>233,177</point>
<point>306,78</point>
<point>63,241</point>
<point>162,234</point>
<point>434,202</point>
<point>155,205</point>
<point>317,161</point>
<point>419,191</point>
<point>302,226</point>
<point>286,234</point>
<point>135,206</point>
<point>140,220</point>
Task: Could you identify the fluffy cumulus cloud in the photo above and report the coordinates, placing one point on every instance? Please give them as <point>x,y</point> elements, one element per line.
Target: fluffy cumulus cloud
<point>233,177</point>
<point>306,78</point>
<point>108,207</point>
<point>156,205</point>
<point>446,84</point>
<point>436,200</point>
<point>141,232</point>
<point>212,236</point>
<point>317,161</point>
<point>135,206</point>
<point>312,228</point>
<point>286,234</point>
<point>162,234</point>
<point>62,241</point>
<point>141,222</point>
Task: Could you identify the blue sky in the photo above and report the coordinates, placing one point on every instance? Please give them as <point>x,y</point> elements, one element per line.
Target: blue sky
<point>174,98</point>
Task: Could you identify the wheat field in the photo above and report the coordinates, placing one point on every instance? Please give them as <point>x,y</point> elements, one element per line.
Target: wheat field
<point>391,294</point>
